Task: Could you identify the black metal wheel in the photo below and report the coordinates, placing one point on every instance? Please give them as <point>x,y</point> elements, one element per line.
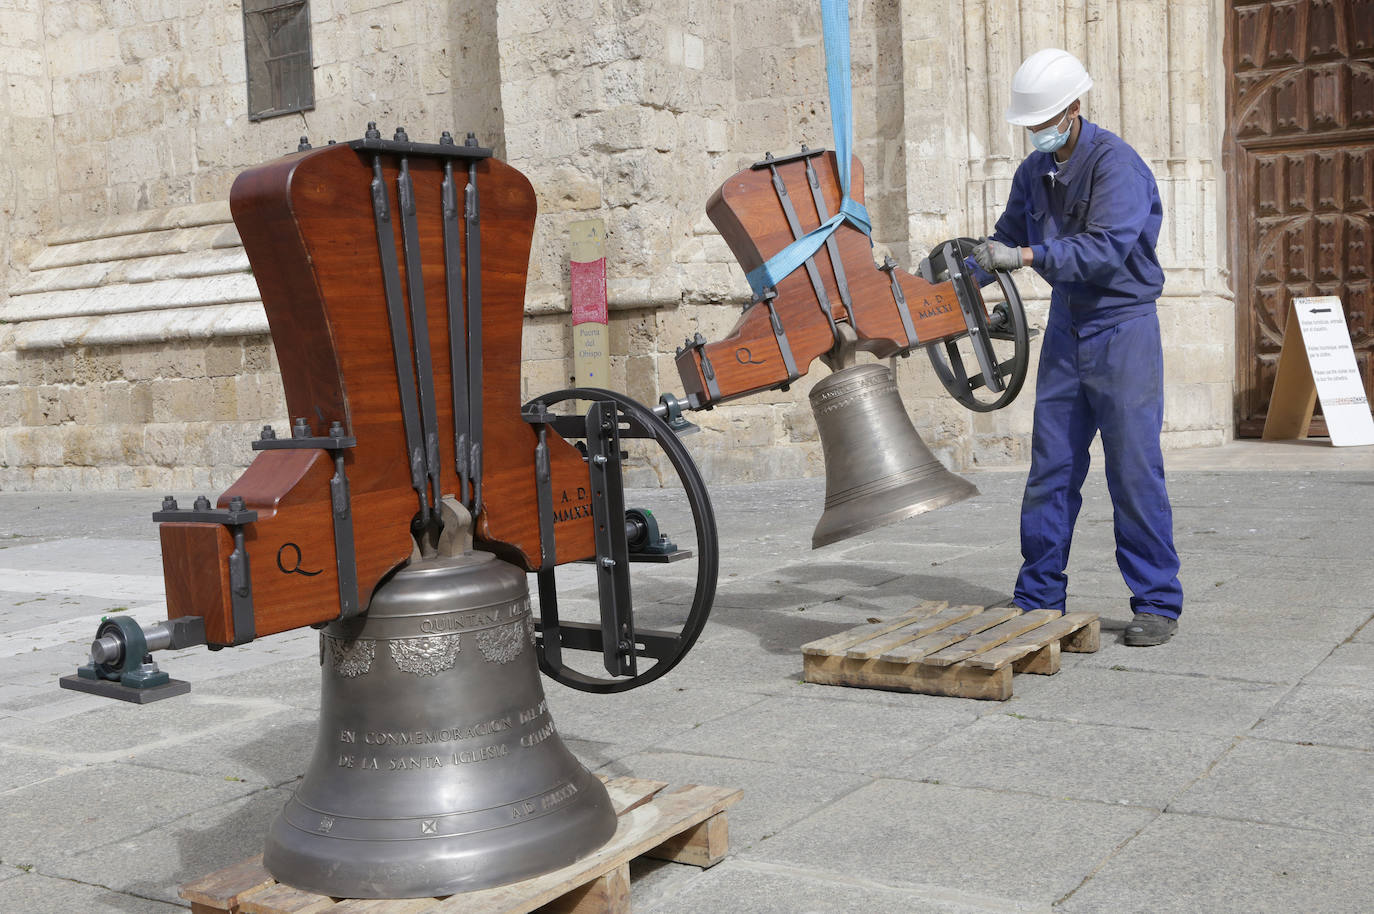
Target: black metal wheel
<point>1000,341</point>
<point>666,648</point>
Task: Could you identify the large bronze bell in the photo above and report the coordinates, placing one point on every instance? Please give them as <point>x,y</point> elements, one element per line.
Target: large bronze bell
<point>437,768</point>
<point>877,468</point>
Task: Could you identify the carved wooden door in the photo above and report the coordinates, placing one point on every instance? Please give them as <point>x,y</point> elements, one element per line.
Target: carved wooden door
<point>1300,145</point>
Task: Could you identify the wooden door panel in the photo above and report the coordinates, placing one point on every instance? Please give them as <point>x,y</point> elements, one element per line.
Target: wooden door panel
<point>1300,144</point>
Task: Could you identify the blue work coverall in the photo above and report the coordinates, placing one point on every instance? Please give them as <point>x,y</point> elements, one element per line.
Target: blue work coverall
<point>1091,225</point>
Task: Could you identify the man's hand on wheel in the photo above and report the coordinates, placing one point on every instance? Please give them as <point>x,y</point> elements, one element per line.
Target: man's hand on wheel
<point>994,255</point>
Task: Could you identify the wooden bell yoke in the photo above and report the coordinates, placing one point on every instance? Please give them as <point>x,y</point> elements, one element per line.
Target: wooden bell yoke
<point>393,277</point>
<point>763,209</point>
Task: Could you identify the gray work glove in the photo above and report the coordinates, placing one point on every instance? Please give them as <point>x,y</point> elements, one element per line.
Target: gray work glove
<point>994,255</point>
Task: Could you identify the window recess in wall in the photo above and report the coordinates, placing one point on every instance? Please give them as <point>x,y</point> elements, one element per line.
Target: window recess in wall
<point>276,38</point>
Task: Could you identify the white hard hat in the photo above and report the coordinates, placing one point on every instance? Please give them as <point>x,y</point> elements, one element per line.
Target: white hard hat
<point>1045,85</point>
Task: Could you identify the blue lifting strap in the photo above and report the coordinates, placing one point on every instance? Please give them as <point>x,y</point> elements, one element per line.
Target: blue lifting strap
<point>835,26</point>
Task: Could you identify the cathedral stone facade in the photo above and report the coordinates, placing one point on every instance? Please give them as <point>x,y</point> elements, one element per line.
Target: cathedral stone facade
<point>134,352</point>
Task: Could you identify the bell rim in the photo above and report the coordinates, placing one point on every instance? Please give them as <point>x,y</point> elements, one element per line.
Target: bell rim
<point>874,521</point>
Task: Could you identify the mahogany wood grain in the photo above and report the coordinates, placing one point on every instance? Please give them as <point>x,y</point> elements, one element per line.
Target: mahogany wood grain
<point>308,229</point>
<point>747,212</point>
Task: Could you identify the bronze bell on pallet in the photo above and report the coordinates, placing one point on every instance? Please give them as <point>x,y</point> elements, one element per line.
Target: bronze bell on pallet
<point>437,768</point>
<point>877,468</point>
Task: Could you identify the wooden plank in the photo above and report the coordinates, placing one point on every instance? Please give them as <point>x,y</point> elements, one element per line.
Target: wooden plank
<point>1086,640</point>
<point>607,894</point>
<point>702,845</point>
<point>913,651</point>
<point>283,899</point>
<point>942,619</point>
<point>628,793</point>
<point>1044,662</point>
<point>990,638</point>
<point>638,831</point>
<point>841,641</point>
<point>220,891</point>
<point>958,681</point>
<point>1031,641</point>
<point>382,906</point>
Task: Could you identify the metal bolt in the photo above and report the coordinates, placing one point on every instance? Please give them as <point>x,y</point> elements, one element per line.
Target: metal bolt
<point>607,562</point>
<point>301,429</point>
<point>599,459</point>
<point>400,136</point>
<point>236,503</point>
<point>372,132</point>
<point>202,503</point>
<point>336,430</point>
<point>303,145</point>
<point>446,139</point>
<point>268,433</point>
<point>169,503</point>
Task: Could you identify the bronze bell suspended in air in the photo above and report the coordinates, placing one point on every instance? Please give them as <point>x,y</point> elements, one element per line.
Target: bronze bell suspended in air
<point>877,468</point>
<point>437,768</point>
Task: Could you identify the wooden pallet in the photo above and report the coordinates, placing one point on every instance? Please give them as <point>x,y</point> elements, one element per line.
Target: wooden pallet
<point>937,649</point>
<point>686,826</point>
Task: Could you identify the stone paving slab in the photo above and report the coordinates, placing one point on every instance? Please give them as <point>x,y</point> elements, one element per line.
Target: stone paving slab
<point>1188,864</point>
<point>820,733</point>
<point>1286,784</point>
<point>740,886</point>
<point>976,841</point>
<point>1107,764</point>
<point>155,862</point>
<point>1218,655</point>
<point>775,794</point>
<point>68,814</point>
<point>1329,715</point>
<point>1351,664</point>
<point>32,893</point>
<point>1154,701</point>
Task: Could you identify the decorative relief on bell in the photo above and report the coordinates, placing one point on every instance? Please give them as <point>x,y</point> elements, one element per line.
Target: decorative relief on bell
<point>503,643</point>
<point>350,658</point>
<point>426,656</point>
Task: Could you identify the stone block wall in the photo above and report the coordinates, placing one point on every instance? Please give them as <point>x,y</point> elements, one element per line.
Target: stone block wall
<point>633,111</point>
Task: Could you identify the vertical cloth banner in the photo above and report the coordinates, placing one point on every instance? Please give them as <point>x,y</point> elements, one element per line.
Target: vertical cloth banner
<point>590,313</point>
<point>835,26</point>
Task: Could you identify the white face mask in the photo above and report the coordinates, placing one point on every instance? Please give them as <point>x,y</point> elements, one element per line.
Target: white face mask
<point>1050,139</point>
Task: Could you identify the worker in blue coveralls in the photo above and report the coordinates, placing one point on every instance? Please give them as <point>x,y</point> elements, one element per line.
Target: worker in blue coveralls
<point>1084,212</point>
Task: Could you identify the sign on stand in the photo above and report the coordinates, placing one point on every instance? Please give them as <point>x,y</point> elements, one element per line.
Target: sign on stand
<point>591,346</point>
<point>1317,360</point>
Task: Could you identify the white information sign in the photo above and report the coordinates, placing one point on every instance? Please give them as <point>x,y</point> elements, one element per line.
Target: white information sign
<point>1337,377</point>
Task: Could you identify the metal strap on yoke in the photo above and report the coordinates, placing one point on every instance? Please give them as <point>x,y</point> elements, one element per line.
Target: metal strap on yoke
<point>974,319</point>
<point>899,298</point>
<point>780,334</point>
<point>794,224</point>
<point>400,334</point>
<point>419,323</point>
<point>472,214</point>
<point>708,371</point>
<point>832,247</point>
<point>457,325</point>
<point>341,502</point>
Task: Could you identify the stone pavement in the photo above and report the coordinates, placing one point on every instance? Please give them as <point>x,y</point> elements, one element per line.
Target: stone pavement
<point>1229,770</point>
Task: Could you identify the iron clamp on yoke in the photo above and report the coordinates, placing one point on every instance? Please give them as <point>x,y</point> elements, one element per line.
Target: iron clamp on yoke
<point>622,536</point>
